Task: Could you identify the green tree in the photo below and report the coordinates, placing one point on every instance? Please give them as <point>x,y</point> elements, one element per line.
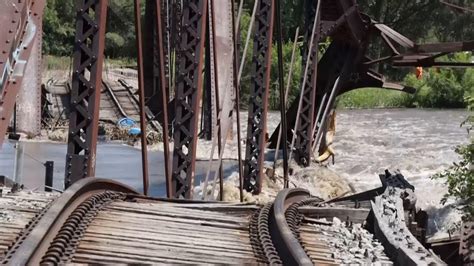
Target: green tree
<point>460,176</point>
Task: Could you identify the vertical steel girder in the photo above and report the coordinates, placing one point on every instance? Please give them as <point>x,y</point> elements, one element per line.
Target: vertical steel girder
<point>164,89</point>
<point>141,90</point>
<point>21,23</point>
<point>187,96</point>
<point>207,101</point>
<point>154,60</point>
<point>85,90</point>
<point>258,106</point>
<point>304,136</point>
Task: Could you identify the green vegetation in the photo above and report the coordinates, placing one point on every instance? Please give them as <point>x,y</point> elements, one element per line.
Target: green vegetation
<point>372,98</point>
<point>421,21</point>
<point>460,176</point>
<point>65,63</point>
<point>438,88</point>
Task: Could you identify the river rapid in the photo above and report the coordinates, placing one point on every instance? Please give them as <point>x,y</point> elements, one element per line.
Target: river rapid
<point>417,142</point>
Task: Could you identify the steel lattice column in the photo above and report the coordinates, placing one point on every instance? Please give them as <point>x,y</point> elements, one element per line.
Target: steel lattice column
<point>85,91</point>
<point>258,106</point>
<point>153,61</point>
<point>304,137</point>
<point>188,95</point>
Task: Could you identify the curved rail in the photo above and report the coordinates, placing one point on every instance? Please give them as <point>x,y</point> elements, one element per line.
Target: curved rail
<point>289,248</point>
<point>34,244</point>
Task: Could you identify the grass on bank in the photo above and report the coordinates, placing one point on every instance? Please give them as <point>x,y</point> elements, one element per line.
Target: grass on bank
<point>51,62</point>
<point>373,98</point>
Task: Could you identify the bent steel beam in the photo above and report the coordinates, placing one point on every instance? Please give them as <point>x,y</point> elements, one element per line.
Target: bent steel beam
<point>85,90</point>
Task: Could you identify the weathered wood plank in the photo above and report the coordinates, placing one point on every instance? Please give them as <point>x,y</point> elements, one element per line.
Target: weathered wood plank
<point>182,238</point>
<point>156,218</point>
<point>143,256</point>
<point>235,249</point>
<point>109,244</point>
<point>112,222</point>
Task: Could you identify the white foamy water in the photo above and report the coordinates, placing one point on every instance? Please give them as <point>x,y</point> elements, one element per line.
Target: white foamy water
<point>418,142</point>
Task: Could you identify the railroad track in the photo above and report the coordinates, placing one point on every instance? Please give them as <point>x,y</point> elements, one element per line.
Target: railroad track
<point>123,102</point>
<point>119,102</point>
<point>101,221</point>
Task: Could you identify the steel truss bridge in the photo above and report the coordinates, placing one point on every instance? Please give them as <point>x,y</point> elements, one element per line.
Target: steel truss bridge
<point>189,59</point>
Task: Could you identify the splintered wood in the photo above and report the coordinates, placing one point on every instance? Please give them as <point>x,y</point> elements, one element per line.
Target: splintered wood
<point>17,210</point>
<point>160,232</point>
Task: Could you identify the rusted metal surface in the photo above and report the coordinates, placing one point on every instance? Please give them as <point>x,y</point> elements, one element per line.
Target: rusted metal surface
<point>141,91</point>
<point>100,221</point>
<point>34,243</point>
<point>17,211</point>
<point>215,74</point>
<point>21,25</point>
<point>259,90</point>
<point>187,97</point>
<point>85,89</point>
<point>283,95</point>
<point>164,89</point>
<point>304,132</point>
<point>466,245</point>
<point>289,248</point>
<point>28,110</point>
<point>236,83</point>
<point>351,31</point>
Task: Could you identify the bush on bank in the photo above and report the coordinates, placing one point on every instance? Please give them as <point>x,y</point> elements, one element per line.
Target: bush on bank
<point>459,178</point>
<point>438,88</point>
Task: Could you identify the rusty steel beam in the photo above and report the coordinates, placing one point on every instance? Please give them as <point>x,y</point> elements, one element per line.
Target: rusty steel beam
<point>215,76</point>
<point>466,245</point>
<point>304,135</point>
<point>207,101</point>
<point>188,96</point>
<point>141,90</point>
<point>236,84</point>
<point>258,105</point>
<point>164,88</point>
<point>154,59</point>
<point>85,89</point>
<point>21,23</point>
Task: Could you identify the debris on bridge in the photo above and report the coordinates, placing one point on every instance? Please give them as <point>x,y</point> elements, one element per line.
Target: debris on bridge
<point>186,87</point>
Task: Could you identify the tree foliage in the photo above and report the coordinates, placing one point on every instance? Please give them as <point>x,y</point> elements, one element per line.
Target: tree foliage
<point>460,176</point>
<point>443,87</point>
<point>59,28</point>
<point>421,20</point>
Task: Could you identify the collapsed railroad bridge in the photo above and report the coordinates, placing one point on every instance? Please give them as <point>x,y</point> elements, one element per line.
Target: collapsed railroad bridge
<point>188,59</point>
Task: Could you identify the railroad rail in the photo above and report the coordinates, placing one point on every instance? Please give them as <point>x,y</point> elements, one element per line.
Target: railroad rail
<point>118,100</point>
<point>101,221</point>
<point>121,98</point>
